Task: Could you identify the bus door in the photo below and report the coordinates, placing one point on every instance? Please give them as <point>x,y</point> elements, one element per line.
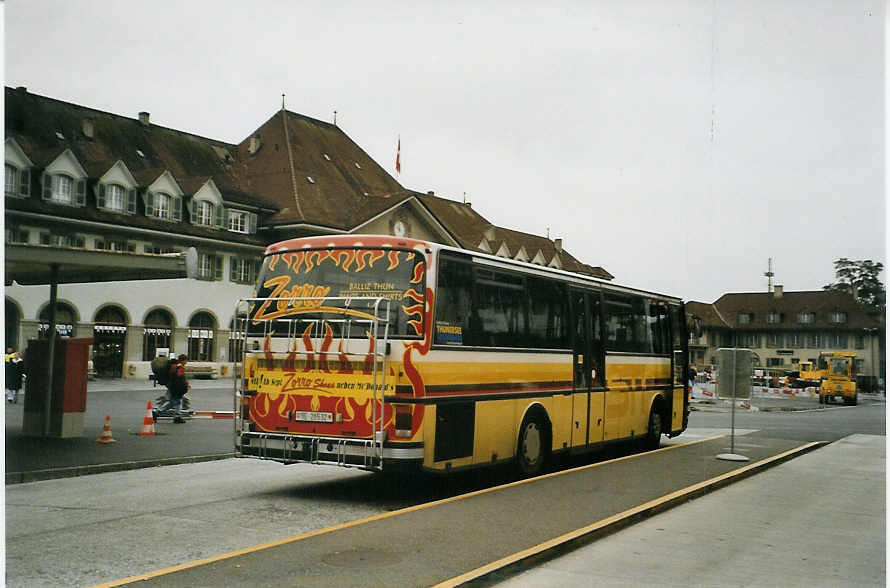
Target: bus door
<point>589,397</point>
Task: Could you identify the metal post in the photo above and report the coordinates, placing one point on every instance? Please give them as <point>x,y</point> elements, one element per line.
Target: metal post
<point>734,360</point>
<point>51,351</point>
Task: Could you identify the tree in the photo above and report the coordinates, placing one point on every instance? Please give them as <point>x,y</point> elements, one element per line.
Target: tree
<point>860,278</point>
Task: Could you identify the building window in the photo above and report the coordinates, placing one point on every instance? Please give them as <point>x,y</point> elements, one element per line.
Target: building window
<point>158,334</point>
<point>114,245</point>
<point>773,318</point>
<point>64,321</point>
<point>63,189</point>
<point>237,221</point>
<point>814,340</point>
<point>837,341</point>
<point>775,340</point>
<point>749,340</point>
<point>114,197</point>
<point>10,181</point>
<point>203,212</point>
<point>795,340</point>
<point>55,240</point>
<point>16,235</point>
<point>806,318</point>
<point>200,338</point>
<point>859,341</point>
<point>210,267</point>
<point>837,317</point>
<point>242,271</point>
<point>745,318</point>
<point>159,249</point>
<point>774,361</point>
<point>162,205</point>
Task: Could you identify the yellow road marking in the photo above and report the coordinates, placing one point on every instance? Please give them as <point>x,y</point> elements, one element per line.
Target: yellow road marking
<point>377,517</point>
<point>604,523</point>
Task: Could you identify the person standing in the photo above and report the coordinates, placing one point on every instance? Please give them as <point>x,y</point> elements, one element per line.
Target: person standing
<point>178,386</point>
<point>14,375</point>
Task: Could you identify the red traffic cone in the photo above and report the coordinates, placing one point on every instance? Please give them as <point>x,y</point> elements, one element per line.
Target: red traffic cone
<point>148,423</point>
<point>106,432</point>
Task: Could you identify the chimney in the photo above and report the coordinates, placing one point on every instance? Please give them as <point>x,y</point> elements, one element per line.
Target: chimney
<point>430,193</point>
<point>22,89</point>
<point>254,145</point>
<point>777,291</point>
<point>557,244</point>
<point>86,126</point>
<point>144,118</point>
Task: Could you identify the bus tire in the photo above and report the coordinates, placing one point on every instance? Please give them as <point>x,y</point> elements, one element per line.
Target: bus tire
<point>531,449</point>
<point>653,430</point>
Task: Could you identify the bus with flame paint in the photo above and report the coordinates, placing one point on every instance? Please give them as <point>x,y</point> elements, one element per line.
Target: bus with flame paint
<point>376,351</point>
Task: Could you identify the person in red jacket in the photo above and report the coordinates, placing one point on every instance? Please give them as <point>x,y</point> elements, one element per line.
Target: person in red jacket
<point>178,386</point>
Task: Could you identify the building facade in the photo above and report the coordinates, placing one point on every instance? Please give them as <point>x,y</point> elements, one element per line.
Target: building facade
<point>80,179</point>
<point>785,328</point>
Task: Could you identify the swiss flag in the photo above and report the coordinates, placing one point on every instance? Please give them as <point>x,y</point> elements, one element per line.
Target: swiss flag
<point>399,156</point>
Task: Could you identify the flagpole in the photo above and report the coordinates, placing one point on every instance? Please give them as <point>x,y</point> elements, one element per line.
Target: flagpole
<point>399,155</point>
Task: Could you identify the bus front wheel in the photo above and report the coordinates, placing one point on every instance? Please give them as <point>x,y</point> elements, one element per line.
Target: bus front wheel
<point>531,451</point>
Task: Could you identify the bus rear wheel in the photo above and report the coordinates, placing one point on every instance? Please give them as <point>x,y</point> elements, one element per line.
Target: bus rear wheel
<point>653,432</point>
<point>531,452</point>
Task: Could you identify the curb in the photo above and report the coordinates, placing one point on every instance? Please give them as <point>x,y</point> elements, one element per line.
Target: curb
<point>509,566</point>
<point>86,470</point>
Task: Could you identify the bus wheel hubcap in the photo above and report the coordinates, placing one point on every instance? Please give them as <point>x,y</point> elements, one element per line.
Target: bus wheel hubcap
<point>532,443</point>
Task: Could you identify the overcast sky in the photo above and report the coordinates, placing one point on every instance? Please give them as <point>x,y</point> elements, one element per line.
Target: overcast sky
<point>678,144</point>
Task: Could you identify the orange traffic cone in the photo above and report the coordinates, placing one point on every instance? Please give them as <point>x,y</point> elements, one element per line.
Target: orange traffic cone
<point>148,423</point>
<point>106,432</point>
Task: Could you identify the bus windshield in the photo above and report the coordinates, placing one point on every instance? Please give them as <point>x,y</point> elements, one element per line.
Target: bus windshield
<point>333,280</point>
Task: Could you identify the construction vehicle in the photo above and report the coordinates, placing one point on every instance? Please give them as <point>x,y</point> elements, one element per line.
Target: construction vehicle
<point>810,373</point>
<point>840,381</point>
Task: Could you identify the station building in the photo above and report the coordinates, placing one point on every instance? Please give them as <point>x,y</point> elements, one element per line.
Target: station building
<point>785,328</point>
<point>82,180</point>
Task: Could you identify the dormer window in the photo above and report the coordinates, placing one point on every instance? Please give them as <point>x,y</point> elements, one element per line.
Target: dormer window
<point>203,212</point>
<point>63,189</point>
<point>837,317</point>
<point>773,318</point>
<point>746,318</point>
<point>9,184</point>
<point>116,198</point>
<point>162,205</point>
<point>806,318</point>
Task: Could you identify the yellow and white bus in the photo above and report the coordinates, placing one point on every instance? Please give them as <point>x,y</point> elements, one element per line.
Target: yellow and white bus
<point>376,351</point>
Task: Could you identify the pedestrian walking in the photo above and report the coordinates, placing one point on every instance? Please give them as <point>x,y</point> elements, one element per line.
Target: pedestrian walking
<point>178,386</point>
<point>15,371</point>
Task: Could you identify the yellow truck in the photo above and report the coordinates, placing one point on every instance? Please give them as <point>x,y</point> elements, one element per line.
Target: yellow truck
<point>810,373</point>
<point>840,381</point>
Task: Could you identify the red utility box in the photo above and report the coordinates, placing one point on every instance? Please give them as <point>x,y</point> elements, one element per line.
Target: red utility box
<point>69,387</point>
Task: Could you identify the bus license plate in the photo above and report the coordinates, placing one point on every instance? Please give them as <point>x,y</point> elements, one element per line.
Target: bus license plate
<point>314,417</point>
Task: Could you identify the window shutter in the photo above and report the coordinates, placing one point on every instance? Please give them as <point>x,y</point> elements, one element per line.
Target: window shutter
<point>193,211</point>
<point>220,216</point>
<point>251,227</point>
<point>47,180</point>
<point>232,274</point>
<point>176,208</point>
<point>149,203</point>
<point>25,182</point>
<point>131,201</point>
<point>218,267</point>
<point>100,195</point>
<point>81,193</point>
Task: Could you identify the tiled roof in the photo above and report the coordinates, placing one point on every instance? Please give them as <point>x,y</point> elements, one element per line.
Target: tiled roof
<point>37,122</point>
<point>725,311</point>
<point>300,162</point>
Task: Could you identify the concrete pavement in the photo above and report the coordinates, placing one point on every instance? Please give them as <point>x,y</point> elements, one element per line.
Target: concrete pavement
<point>817,520</point>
